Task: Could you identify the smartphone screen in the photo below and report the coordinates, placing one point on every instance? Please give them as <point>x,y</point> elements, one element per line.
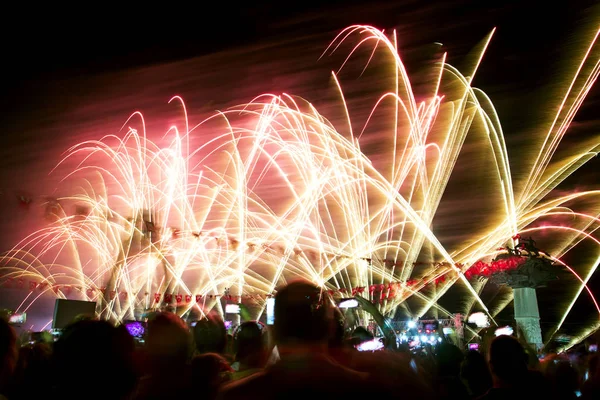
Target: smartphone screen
<point>506,330</point>
<point>473,346</point>
<point>135,329</point>
<point>232,309</point>
<point>348,303</point>
<point>370,345</point>
<point>270,310</point>
<point>17,319</point>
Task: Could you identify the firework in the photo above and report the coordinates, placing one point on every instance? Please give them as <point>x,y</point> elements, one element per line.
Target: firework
<point>271,190</point>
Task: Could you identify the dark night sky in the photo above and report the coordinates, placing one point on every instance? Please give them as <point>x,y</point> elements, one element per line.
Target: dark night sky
<point>53,43</point>
<point>527,52</point>
<point>530,48</point>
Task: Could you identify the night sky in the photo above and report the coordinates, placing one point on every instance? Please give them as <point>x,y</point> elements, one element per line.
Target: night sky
<point>51,54</point>
<point>57,43</point>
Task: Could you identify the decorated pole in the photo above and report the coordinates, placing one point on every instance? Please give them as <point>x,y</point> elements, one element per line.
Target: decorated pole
<point>459,329</point>
<point>534,269</point>
<point>527,315</point>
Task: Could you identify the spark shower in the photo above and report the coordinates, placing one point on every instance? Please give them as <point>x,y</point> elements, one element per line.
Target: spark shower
<point>253,196</point>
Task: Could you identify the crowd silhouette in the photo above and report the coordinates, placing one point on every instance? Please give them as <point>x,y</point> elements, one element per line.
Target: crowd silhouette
<point>307,352</point>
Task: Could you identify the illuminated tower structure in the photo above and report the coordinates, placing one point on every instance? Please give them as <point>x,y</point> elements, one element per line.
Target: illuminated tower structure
<point>536,270</point>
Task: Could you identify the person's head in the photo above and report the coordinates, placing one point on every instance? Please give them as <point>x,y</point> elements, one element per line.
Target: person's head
<point>210,335</point>
<point>473,363</point>
<point>8,352</point>
<point>566,378</point>
<point>109,349</point>
<point>210,371</point>
<point>168,339</point>
<point>360,334</point>
<point>475,372</point>
<point>449,358</point>
<point>250,344</point>
<point>303,314</point>
<point>507,359</point>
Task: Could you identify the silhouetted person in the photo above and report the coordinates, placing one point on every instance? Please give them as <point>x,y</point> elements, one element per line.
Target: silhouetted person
<point>476,374</point>
<point>338,334</point>
<point>302,328</point>
<point>8,355</point>
<point>168,352</point>
<point>209,372</point>
<point>448,383</point>
<point>564,380</point>
<point>510,375</point>
<point>250,348</point>
<point>229,348</point>
<point>89,350</point>
<point>591,387</point>
<point>360,335</point>
<point>210,335</point>
<point>33,374</point>
<point>340,347</point>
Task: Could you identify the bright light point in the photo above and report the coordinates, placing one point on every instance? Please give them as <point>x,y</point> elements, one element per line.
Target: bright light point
<point>371,345</point>
<point>506,330</point>
<point>350,303</point>
<point>480,319</point>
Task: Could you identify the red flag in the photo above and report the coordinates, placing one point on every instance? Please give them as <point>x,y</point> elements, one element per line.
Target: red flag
<point>392,293</point>
<point>178,298</point>
<point>168,298</point>
<point>198,298</point>
<point>188,298</point>
<point>157,297</point>
<point>32,285</point>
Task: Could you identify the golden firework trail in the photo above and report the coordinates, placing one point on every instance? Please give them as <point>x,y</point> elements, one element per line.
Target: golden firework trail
<point>271,190</point>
